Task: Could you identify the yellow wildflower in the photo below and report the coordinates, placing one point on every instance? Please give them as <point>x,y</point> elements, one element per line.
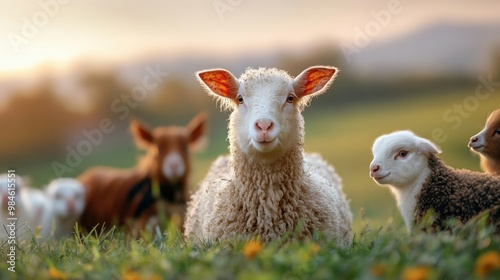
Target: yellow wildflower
<point>486,263</point>
<point>131,275</point>
<point>315,248</point>
<point>378,270</point>
<point>252,248</point>
<point>415,273</point>
<point>54,273</point>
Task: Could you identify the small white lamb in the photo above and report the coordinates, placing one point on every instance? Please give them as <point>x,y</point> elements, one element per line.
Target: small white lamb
<point>267,184</point>
<point>66,202</point>
<point>28,208</point>
<point>420,181</point>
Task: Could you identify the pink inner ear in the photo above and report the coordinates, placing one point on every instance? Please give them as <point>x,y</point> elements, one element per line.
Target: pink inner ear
<point>316,79</point>
<point>218,81</point>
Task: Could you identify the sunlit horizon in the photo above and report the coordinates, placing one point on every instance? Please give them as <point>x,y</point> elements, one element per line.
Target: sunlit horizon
<point>116,31</point>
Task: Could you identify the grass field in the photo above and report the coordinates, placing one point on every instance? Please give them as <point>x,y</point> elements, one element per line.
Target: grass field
<point>382,253</point>
<point>381,250</point>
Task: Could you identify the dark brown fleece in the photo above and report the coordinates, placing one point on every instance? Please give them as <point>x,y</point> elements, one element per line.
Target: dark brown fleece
<point>459,194</point>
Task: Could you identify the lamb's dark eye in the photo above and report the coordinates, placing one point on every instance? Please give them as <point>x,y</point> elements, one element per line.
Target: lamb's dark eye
<point>402,154</point>
<point>289,99</point>
<point>497,132</point>
<point>240,99</point>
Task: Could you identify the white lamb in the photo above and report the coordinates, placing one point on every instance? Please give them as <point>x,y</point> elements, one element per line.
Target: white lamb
<point>28,208</point>
<point>267,184</point>
<point>66,203</point>
<point>420,181</point>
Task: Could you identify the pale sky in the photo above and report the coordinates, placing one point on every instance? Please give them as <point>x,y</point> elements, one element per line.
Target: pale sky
<point>117,30</point>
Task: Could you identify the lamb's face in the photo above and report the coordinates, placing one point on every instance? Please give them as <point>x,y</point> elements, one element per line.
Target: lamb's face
<point>266,120</point>
<point>400,158</point>
<point>67,197</point>
<point>4,193</point>
<point>487,141</point>
<point>5,183</point>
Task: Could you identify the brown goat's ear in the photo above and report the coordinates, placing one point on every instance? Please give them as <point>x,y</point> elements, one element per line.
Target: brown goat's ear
<point>197,128</point>
<point>493,118</point>
<point>314,80</point>
<point>219,82</point>
<point>142,134</point>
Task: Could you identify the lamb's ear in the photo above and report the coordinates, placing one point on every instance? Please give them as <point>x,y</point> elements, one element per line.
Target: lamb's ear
<point>314,80</point>
<point>428,147</point>
<point>143,136</point>
<point>219,82</point>
<point>197,128</point>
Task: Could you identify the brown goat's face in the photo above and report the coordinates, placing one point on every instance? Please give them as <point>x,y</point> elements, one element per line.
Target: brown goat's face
<point>172,145</point>
<point>173,148</point>
<point>487,142</point>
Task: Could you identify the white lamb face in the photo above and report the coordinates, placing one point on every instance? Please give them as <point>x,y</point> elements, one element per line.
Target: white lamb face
<point>5,182</point>
<point>266,118</point>
<point>266,103</point>
<point>68,197</point>
<point>399,158</point>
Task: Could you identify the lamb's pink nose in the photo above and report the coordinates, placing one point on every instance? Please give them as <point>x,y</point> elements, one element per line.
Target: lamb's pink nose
<point>374,169</point>
<point>71,205</point>
<point>263,125</point>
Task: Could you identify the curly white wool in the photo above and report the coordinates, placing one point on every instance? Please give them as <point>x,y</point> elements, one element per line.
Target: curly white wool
<point>267,184</point>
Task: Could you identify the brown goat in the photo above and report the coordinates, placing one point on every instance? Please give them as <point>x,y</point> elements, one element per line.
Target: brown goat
<point>130,197</point>
<point>487,144</point>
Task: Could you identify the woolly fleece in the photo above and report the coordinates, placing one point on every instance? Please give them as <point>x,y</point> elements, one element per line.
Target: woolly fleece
<point>460,194</point>
<point>244,196</point>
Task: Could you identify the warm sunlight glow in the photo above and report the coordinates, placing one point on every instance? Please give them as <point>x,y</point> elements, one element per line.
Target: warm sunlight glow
<point>118,30</point>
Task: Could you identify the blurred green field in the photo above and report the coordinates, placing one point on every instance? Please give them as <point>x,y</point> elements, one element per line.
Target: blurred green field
<point>343,135</point>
